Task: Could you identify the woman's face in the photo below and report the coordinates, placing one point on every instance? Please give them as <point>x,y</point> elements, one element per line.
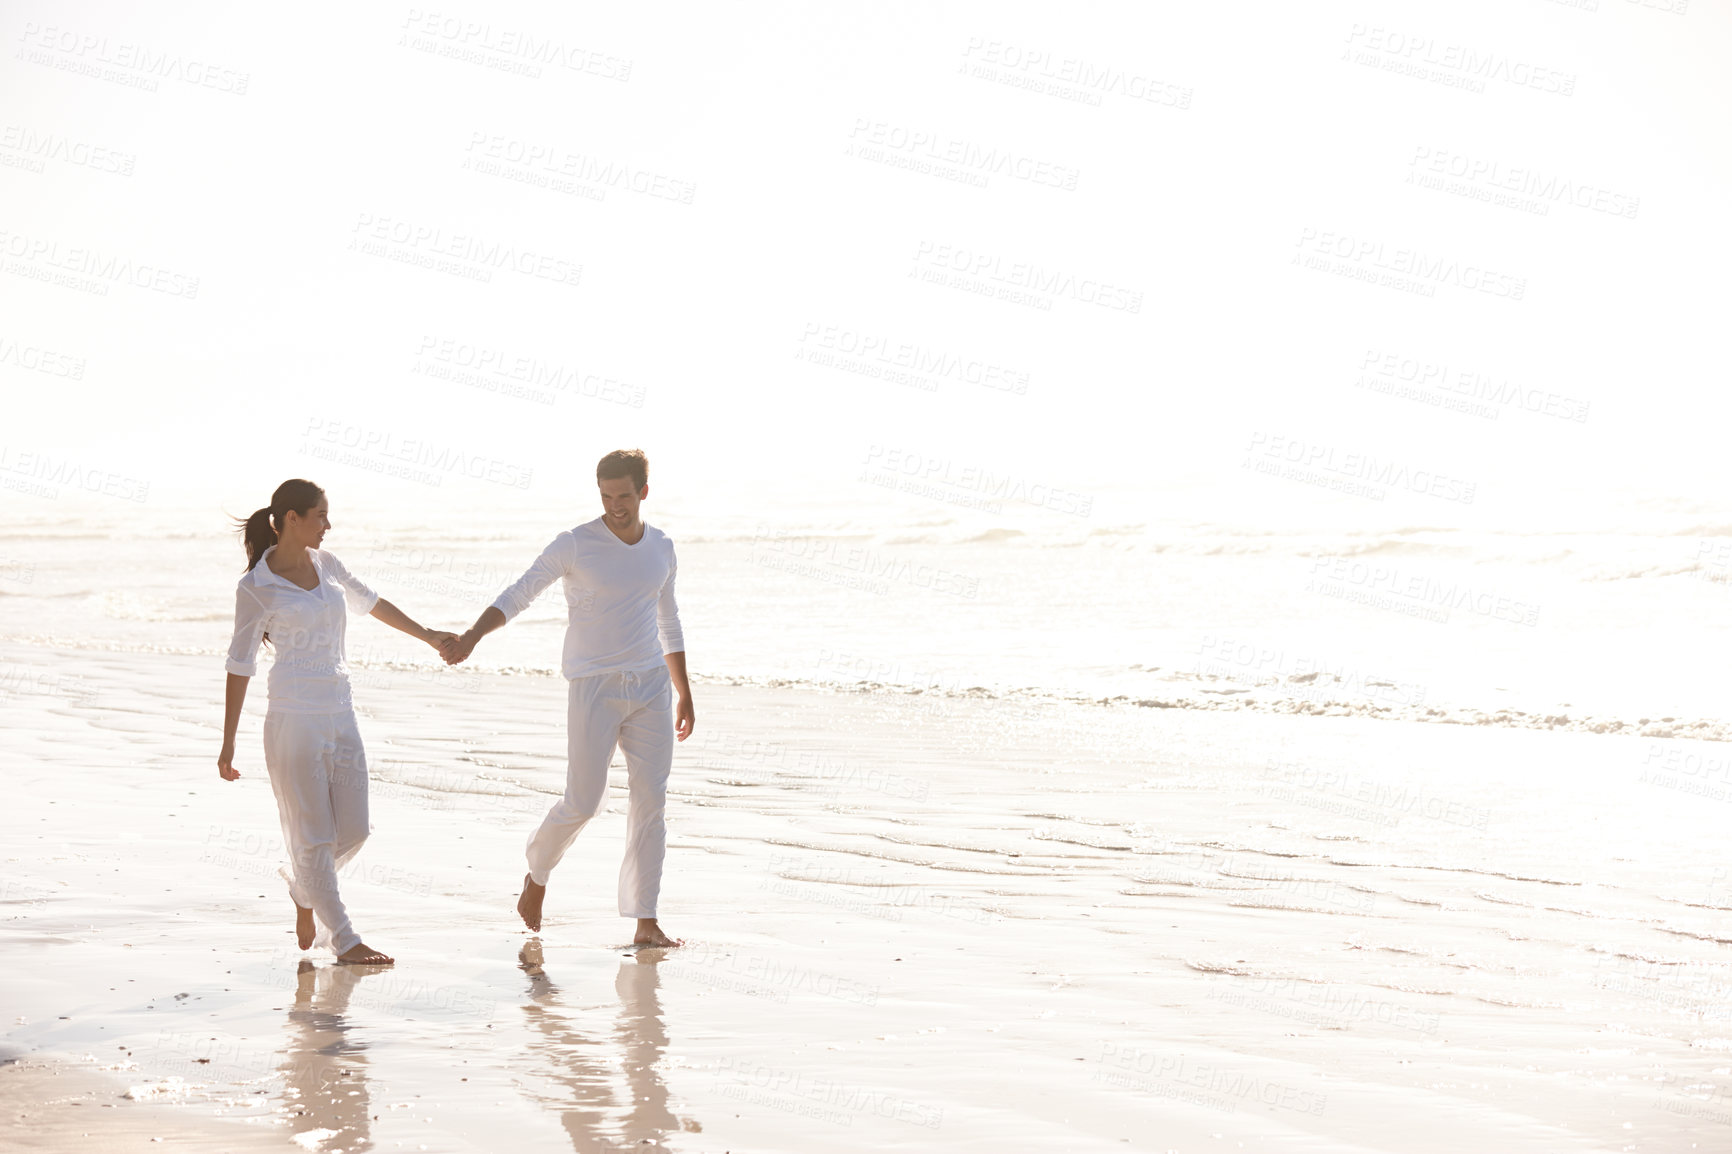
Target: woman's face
<point>306,530</point>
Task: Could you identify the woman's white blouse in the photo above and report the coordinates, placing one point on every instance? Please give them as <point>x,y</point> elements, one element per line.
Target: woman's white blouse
<point>306,628</point>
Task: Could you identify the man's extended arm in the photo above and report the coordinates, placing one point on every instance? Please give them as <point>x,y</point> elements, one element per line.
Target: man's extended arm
<point>548,567</point>
<point>457,649</point>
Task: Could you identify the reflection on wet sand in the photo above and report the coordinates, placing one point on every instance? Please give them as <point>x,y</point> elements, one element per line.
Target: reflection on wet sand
<point>585,1066</point>
<point>325,1073</point>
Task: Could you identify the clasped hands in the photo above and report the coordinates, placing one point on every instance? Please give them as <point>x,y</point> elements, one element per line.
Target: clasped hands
<point>455,647</point>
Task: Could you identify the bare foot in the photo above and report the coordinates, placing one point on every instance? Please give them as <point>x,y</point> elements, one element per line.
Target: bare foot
<point>529,903</point>
<point>650,934</point>
<point>363,955</point>
<point>304,928</point>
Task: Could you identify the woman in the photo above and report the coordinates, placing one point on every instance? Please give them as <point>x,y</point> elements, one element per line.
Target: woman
<point>292,596</point>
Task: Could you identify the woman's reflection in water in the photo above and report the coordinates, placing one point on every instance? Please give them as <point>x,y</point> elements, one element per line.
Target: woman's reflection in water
<point>325,1073</point>
<point>585,1066</point>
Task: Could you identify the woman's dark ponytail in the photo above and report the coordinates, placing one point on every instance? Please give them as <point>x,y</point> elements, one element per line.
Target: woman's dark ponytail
<point>257,535</point>
<point>259,532</point>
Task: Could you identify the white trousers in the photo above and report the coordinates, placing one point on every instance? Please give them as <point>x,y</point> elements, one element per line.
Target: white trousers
<point>634,711</point>
<point>319,774</point>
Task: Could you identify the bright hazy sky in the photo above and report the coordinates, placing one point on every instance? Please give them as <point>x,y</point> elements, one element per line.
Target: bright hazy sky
<point>744,185</point>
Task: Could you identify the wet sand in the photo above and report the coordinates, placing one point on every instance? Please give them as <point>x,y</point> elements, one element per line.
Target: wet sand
<point>914,922</point>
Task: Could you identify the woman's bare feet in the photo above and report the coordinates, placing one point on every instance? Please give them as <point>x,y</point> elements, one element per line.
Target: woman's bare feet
<point>363,955</point>
<point>650,934</point>
<point>304,928</point>
<point>529,903</point>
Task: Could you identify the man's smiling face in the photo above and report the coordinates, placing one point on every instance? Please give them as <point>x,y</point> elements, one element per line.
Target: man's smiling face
<point>620,500</point>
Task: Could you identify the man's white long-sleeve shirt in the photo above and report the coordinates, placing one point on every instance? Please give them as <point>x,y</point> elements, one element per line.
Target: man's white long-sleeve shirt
<point>620,598</point>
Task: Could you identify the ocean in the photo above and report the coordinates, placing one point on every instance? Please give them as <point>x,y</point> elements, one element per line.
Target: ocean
<point>1569,627</point>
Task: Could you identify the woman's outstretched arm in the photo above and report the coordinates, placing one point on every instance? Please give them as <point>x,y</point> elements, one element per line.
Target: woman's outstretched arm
<point>397,619</point>
<point>234,696</point>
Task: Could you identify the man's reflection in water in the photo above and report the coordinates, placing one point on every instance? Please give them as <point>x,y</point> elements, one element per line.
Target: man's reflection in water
<point>586,1066</point>
<point>325,1073</point>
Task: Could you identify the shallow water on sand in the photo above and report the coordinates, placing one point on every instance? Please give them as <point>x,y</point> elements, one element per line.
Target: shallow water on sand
<point>913,923</point>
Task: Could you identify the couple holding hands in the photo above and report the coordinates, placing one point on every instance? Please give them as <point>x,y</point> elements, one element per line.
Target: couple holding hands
<point>624,662</point>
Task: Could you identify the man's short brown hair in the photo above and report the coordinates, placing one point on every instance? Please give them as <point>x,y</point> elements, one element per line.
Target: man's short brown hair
<point>624,463</point>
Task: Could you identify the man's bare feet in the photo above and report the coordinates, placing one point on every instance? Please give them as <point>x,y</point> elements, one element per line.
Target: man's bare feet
<point>529,903</point>
<point>650,934</point>
<point>304,928</point>
<point>363,955</point>
<point>529,960</point>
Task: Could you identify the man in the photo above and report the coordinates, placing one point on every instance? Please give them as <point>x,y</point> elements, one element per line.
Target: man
<point>625,660</point>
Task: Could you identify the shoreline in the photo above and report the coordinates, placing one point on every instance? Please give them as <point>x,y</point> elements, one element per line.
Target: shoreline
<point>1213,692</point>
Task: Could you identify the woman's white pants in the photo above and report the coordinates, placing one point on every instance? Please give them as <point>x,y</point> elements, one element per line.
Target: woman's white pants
<point>634,711</point>
<point>319,774</point>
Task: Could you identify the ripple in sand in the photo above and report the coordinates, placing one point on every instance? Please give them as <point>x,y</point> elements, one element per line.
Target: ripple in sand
<point>1201,882</point>
<point>1232,847</point>
<point>1085,841</point>
<point>1502,901</point>
<point>1290,907</point>
<point>1699,935</point>
<point>955,845</point>
<point>1523,1003</point>
<point>1239,968</point>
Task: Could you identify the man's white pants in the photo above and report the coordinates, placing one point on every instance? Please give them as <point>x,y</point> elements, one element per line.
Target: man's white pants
<point>319,774</point>
<point>633,710</point>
